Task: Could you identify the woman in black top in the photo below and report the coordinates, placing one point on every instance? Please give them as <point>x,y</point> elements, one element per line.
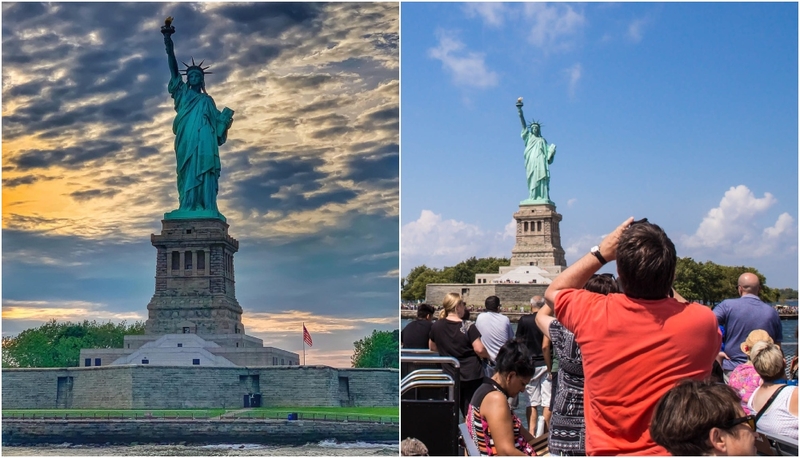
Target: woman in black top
<point>449,339</point>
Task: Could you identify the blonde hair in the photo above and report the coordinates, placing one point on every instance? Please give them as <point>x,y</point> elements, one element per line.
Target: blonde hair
<point>449,304</point>
<point>768,360</point>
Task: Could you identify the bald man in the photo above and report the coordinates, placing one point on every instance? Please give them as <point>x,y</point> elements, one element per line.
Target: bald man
<point>741,316</point>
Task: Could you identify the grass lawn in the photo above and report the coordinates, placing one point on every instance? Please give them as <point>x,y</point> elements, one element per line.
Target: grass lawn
<point>379,411</point>
<point>91,413</point>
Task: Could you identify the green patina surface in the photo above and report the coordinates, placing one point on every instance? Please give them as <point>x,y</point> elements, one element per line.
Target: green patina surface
<point>538,157</point>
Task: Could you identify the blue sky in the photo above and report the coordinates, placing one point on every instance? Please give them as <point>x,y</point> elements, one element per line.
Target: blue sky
<point>682,113</point>
<point>309,180</point>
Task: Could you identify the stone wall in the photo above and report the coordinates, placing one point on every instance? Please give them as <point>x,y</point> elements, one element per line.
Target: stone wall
<point>67,388</point>
<point>180,387</point>
<point>269,432</point>
<point>372,387</point>
<point>510,294</point>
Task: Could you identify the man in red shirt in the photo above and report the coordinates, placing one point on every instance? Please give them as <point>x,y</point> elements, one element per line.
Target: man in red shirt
<point>635,345</point>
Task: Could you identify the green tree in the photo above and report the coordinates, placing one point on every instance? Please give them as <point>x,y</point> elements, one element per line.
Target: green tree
<point>413,286</point>
<point>56,344</point>
<point>787,294</point>
<point>711,283</point>
<point>377,350</point>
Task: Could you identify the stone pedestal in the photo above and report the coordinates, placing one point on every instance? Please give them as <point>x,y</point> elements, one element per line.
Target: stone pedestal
<point>194,280</point>
<point>538,238</point>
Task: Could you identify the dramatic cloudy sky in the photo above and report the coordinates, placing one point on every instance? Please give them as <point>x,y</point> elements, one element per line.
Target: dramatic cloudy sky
<point>309,179</point>
<point>684,113</point>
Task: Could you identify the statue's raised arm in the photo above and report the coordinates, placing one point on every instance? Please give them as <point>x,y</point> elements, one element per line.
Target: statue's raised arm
<point>521,116</point>
<point>168,30</point>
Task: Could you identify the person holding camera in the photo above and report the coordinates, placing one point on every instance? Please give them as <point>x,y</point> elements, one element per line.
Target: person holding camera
<point>635,345</point>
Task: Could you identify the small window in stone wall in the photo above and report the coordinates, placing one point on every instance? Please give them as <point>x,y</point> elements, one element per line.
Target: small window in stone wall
<point>237,344</point>
<point>281,361</point>
<point>186,330</point>
<point>176,260</point>
<point>196,362</point>
<point>87,362</point>
<point>145,361</point>
<point>274,360</point>
<point>526,226</point>
<point>201,260</point>
<point>188,260</point>
<point>180,345</point>
<point>539,226</point>
<point>97,362</point>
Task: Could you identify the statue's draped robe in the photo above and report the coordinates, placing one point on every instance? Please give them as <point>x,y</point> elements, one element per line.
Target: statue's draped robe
<point>538,155</point>
<point>196,146</point>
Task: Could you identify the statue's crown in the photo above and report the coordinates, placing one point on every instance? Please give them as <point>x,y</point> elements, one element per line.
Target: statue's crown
<point>199,67</point>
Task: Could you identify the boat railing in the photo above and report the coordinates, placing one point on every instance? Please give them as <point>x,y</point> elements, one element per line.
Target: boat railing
<point>429,400</point>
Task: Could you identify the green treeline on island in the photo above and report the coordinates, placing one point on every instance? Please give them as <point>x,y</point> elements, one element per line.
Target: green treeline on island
<point>413,285</point>
<point>381,349</point>
<point>704,282</point>
<point>55,344</point>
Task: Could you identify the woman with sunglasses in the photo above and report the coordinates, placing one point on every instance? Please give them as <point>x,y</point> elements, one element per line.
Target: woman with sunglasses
<point>703,418</point>
<point>449,337</point>
<point>491,423</point>
<point>780,416</point>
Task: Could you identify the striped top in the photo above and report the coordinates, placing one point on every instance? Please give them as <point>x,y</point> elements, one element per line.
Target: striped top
<point>479,429</point>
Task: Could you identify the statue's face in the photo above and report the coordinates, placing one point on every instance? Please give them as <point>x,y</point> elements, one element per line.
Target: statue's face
<point>194,78</point>
<point>535,129</point>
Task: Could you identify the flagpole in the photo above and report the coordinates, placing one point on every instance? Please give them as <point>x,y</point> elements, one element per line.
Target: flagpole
<point>304,343</point>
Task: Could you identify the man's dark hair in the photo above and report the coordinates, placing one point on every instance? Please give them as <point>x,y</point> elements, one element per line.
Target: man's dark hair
<point>684,416</point>
<point>602,283</point>
<point>423,310</point>
<point>514,356</point>
<point>492,303</point>
<point>646,262</point>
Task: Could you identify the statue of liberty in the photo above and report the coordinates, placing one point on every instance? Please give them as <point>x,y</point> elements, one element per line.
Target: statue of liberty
<point>199,132</point>
<point>538,157</point>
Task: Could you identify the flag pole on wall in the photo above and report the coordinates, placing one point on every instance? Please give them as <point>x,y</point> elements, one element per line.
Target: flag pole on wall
<point>306,340</point>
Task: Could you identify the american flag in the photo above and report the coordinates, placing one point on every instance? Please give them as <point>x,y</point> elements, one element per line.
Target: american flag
<point>306,336</point>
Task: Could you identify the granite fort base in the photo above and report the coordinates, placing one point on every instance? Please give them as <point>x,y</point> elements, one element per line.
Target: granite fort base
<point>177,387</point>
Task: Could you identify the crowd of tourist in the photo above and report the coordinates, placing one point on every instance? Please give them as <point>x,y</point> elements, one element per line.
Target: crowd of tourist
<point>636,361</point>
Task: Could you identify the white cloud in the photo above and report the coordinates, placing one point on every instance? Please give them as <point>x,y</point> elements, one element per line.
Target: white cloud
<point>376,256</point>
<point>491,13</point>
<point>468,68</point>
<point>555,26</point>
<point>573,74</point>
<point>736,227</point>
<point>436,242</point>
<point>575,248</point>
<point>572,202</point>
<point>510,230</point>
<point>636,29</point>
